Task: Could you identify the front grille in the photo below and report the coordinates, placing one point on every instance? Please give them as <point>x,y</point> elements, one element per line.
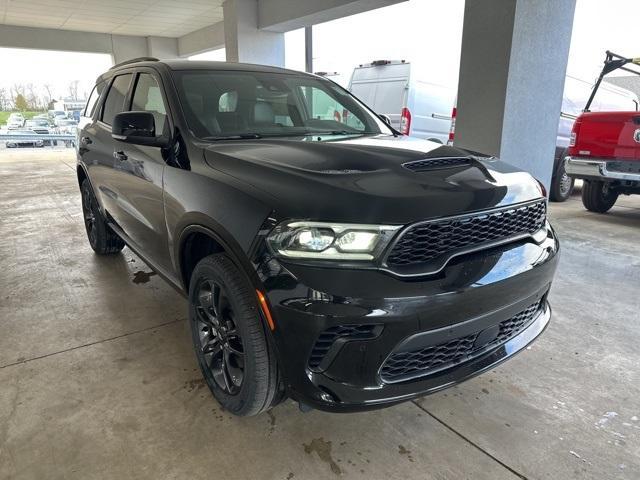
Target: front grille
<point>431,241</point>
<point>425,361</point>
<point>327,338</point>
<point>436,163</point>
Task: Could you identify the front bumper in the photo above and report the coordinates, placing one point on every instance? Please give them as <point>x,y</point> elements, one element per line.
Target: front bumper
<point>377,315</point>
<point>601,169</point>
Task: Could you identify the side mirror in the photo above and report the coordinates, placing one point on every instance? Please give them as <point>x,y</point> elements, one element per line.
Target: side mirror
<point>385,119</point>
<point>137,128</point>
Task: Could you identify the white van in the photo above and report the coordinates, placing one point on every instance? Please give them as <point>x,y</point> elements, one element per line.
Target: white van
<point>414,106</point>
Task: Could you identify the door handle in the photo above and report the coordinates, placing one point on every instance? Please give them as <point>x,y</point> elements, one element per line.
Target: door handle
<point>120,156</point>
<point>86,140</point>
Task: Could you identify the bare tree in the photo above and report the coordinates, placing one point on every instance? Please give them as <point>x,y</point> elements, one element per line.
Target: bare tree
<point>73,89</point>
<point>32,97</point>
<point>49,94</point>
<point>16,90</point>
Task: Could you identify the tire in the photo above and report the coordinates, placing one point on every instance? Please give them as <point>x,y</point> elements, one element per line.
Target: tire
<point>229,338</point>
<point>102,239</point>
<point>597,196</point>
<point>561,183</point>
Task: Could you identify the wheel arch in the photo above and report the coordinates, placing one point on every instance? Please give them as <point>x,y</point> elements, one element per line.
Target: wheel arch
<point>81,172</point>
<point>205,237</point>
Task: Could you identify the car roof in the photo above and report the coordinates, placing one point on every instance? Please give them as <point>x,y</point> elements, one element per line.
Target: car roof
<point>179,64</point>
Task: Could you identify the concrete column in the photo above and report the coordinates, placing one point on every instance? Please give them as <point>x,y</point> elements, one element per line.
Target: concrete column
<point>244,42</point>
<point>162,47</point>
<point>308,49</point>
<point>512,70</point>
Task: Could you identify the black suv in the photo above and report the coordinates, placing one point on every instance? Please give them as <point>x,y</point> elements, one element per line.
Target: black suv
<point>325,256</point>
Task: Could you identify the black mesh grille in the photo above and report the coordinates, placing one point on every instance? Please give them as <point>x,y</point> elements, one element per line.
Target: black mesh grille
<point>405,365</point>
<point>434,163</point>
<point>327,338</point>
<point>426,242</point>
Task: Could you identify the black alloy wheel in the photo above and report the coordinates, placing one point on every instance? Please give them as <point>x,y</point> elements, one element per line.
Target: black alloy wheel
<point>89,216</point>
<point>221,346</point>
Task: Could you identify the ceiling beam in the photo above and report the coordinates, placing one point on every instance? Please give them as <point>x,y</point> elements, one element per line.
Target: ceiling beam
<point>285,15</point>
<point>205,39</point>
<point>53,39</point>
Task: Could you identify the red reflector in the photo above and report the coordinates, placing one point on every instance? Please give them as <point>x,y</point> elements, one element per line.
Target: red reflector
<point>405,121</point>
<point>452,129</point>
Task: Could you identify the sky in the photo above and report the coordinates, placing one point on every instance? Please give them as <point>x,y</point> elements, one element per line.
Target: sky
<point>426,32</point>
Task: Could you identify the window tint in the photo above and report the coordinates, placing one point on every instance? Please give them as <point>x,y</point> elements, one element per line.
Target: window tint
<point>93,99</point>
<point>114,103</point>
<point>147,97</point>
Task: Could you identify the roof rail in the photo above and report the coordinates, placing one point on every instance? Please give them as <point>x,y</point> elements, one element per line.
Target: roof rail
<point>135,60</point>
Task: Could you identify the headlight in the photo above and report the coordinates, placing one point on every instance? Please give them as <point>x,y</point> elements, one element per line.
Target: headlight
<point>331,241</point>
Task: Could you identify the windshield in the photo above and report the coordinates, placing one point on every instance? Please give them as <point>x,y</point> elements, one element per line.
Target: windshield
<point>222,104</point>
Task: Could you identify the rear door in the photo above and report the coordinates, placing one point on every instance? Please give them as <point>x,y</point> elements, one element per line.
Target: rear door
<point>97,140</point>
<point>430,105</point>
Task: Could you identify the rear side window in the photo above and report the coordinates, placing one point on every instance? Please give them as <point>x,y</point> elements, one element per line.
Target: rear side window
<point>114,103</point>
<point>147,97</point>
<point>93,99</point>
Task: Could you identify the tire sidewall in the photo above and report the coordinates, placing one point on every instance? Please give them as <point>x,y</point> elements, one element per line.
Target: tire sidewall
<point>219,270</point>
<point>98,223</point>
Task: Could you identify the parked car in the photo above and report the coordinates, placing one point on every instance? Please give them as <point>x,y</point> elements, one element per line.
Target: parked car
<point>57,113</point>
<point>414,106</point>
<point>28,141</point>
<point>345,266</point>
<point>40,126</point>
<point>576,93</point>
<point>604,148</point>
<point>67,127</point>
<point>15,121</point>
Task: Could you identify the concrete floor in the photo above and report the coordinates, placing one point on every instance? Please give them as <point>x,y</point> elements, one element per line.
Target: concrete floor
<point>98,380</point>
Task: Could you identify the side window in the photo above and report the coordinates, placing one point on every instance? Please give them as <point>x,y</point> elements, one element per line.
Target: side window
<point>147,97</point>
<point>93,99</point>
<point>114,103</point>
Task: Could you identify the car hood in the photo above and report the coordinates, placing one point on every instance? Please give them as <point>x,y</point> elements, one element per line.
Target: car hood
<point>363,180</point>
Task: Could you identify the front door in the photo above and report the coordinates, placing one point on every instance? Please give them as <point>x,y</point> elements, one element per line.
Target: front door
<point>139,170</point>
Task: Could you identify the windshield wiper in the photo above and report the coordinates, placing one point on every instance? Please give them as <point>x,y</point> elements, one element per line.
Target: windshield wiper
<point>240,136</point>
<point>335,132</point>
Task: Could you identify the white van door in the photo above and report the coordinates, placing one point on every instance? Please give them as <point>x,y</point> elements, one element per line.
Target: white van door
<point>383,88</point>
<point>430,106</point>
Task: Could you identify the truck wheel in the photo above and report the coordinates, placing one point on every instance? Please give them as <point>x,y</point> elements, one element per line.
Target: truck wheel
<point>102,239</point>
<point>229,338</point>
<point>597,196</point>
<point>561,183</point>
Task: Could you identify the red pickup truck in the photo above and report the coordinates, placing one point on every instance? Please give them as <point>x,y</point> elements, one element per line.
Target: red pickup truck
<point>604,148</point>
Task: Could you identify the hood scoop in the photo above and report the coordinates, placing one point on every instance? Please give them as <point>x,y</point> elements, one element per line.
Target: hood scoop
<point>437,163</point>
